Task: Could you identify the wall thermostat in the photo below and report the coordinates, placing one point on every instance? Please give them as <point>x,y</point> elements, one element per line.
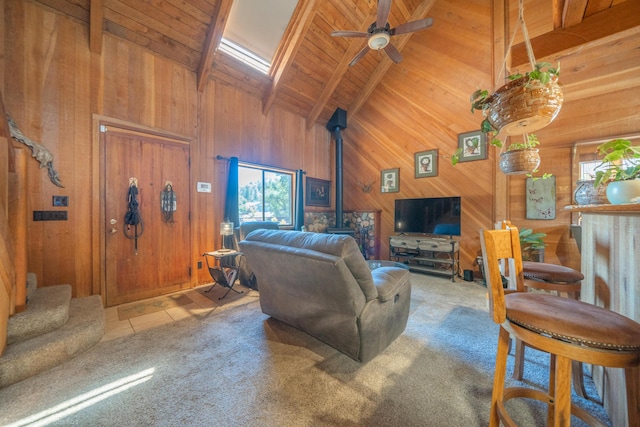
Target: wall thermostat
<point>204,187</point>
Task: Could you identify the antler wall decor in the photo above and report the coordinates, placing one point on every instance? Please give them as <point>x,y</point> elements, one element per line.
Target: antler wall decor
<point>366,188</point>
<point>40,152</point>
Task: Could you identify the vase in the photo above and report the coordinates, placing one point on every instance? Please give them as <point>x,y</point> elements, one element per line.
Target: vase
<point>525,106</point>
<point>619,192</point>
<point>522,161</point>
<point>587,194</point>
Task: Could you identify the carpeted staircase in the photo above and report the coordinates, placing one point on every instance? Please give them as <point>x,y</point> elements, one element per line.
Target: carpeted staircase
<point>53,329</point>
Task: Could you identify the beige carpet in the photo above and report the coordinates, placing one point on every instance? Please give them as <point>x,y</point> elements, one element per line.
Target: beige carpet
<point>238,367</point>
<point>136,309</point>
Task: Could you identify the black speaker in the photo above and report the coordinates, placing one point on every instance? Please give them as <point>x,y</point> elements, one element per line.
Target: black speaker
<point>338,120</point>
<point>468,275</point>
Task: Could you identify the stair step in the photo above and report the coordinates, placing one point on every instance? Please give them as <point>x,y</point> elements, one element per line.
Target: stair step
<point>84,329</point>
<point>47,309</point>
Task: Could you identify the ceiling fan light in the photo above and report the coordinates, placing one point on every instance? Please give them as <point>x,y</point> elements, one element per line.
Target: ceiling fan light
<point>378,41</point>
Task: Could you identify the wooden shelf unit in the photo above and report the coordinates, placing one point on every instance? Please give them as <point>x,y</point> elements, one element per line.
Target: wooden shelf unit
<point>426,254</point>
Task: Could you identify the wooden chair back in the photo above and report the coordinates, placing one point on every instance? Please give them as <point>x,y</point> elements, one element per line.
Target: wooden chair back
<point>498,245</point>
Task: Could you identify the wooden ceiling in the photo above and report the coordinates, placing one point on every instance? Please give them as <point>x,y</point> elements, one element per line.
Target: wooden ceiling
<point>310,73</point>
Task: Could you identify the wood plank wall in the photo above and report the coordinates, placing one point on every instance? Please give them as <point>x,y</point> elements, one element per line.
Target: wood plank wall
<point>129,84</point>
<point>423,103</point>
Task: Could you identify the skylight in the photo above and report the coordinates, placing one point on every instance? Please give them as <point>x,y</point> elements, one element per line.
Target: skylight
<point>244,55</point>
<point>254,30</point>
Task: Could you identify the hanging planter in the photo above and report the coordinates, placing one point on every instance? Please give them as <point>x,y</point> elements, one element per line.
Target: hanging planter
<point>518,162</point>
<point>521,158</point>
<point>524,105</point>
<point>527,102</point>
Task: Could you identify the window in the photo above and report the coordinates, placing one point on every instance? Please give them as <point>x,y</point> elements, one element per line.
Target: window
<point>265,195</point>
<point>244,55</point>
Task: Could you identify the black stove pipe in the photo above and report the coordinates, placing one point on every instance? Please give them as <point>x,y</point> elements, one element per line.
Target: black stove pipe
<point>339,211</point>
<point>336,125</point>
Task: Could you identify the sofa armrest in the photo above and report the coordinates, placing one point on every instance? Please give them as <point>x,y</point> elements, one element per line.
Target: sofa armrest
<point>389,281</point>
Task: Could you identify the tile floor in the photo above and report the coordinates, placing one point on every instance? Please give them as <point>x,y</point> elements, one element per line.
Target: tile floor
<point>200,306</point>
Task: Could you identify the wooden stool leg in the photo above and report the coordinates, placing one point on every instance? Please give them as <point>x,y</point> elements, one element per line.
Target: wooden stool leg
<point>562,398</point>
<point>499,376</point>
<point>518,363</point>
<point>577,373</point>
<point>552,389</point>
<point>632,378</point>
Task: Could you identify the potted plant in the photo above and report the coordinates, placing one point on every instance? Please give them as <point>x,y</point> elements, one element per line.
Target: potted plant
<point>532,245</point>
<point>619,170</point>
<point>525,104</point>
<point>521,157</point>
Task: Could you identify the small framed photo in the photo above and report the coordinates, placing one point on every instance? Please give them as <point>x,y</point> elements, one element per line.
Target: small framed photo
<point>318,192</point>
<point>427,163</point>
<point>390,180</point>
<point>472,145</point>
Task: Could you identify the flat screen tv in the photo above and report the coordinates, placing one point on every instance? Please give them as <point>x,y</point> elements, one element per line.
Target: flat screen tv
<point>432,215</point>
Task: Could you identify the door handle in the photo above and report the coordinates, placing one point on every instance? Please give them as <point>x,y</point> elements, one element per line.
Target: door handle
<point>113,230</point>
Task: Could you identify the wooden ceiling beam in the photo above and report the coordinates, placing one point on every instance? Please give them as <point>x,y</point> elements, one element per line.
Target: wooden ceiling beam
<point>96,22</point>
<point>355,46</point>
<point>421,12</point>
<point>617,19</point>
<point>289,45</point>
<point>214,34</point>
<point>573,12</point>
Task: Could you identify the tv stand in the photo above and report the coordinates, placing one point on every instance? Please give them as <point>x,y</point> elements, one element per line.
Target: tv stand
<point>426,254</point>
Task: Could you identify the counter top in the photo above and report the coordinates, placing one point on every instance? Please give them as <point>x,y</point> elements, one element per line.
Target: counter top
<point>627,207</point>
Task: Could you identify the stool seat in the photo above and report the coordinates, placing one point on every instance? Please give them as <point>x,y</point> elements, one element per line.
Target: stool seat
<point>570,320</point>
<point>550,272</point>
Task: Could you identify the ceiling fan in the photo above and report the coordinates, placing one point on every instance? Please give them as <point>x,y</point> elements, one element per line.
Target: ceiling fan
<point>379,33</point>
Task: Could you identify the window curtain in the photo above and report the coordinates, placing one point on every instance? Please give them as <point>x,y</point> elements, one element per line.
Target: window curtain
<point>298,222</point>
<point>231,202</point>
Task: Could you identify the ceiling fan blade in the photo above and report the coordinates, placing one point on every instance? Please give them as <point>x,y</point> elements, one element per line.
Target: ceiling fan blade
<point>384,7</point>
<point>393,53</point>
<point>349,34</point>
<point>359,56</point>
<point>412,26</point>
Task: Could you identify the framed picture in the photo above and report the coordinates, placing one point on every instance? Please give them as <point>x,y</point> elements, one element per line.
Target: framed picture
<point>318,192</point>
<point>541,198</point>
<point>473,146</point>
<point>426,163</point>
<point>390,181</point>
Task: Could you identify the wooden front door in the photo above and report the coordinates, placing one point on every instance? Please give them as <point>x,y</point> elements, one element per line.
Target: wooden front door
<point>158,260</point>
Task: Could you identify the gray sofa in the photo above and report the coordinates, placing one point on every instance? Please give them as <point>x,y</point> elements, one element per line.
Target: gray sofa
<point>321,284</point>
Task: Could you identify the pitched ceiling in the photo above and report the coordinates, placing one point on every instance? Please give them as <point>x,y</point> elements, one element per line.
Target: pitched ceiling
<point>310,70</point>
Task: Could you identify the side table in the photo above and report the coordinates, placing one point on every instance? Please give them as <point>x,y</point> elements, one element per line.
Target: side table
<point>223,276</point>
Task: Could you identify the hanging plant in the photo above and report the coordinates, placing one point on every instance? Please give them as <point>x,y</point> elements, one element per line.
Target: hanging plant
<point>522,157</point>
<point>526,103</point>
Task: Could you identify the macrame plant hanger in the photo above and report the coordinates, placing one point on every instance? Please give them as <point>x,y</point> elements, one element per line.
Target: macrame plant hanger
<point>530,55</point>
<point>133,225</point>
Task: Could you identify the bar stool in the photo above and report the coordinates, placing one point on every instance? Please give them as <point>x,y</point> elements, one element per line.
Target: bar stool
<point>563,281</point>
<point>565,328</point>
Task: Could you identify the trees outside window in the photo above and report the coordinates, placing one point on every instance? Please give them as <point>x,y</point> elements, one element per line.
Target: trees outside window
<point>265,195</point>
